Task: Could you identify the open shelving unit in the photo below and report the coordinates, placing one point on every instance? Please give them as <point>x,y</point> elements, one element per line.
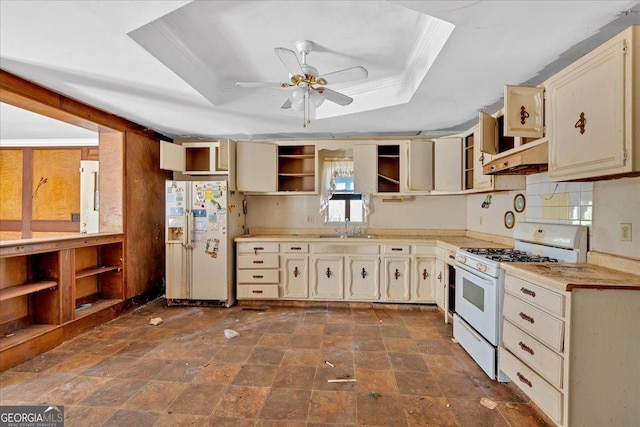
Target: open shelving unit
<point>388,168</point>
<point>297,168</point>
<point>44,281</point>
<point>468,160</point>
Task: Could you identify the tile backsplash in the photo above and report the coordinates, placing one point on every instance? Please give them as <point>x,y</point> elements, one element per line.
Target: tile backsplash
<point>559,202</point>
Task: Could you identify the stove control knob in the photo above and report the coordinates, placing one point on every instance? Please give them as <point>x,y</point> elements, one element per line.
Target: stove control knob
<point>481,267</point>
<point>462,259</point>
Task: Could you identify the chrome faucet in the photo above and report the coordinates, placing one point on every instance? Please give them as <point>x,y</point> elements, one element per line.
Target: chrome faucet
<point>346,227</point>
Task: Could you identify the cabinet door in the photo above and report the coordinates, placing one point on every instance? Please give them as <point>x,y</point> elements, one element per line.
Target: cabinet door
<point>480,180</point>
<point>327,277</point>
<point>586,102</point>
<point>448,164</point>
<point>417,166</point>
<point>424,281</point>
<point>171,156</point>
<point>363,280</point>
<point>365,169</point>
<point>524,111</point>
<point>397,281</point>
<point>296,280</point>
<point>440,284</point>
<point>256,169</point>
<point>487,133</point>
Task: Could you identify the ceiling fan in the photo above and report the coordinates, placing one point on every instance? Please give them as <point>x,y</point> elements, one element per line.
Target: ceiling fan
<point>307,89</point>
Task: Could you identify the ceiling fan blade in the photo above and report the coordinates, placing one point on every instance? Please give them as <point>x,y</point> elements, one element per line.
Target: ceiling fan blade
<point>290,60</point>
<point>287,104</point>
<point>336,97</point>
<point>346,75</point>
<point>259,84</point>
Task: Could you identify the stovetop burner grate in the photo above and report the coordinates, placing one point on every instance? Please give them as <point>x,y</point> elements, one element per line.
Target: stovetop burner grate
<point>509,255</point>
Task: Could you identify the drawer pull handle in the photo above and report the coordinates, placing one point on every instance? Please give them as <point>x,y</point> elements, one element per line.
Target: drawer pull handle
<point>528,292</point>
<point>329,273</point>
<point>296,248</point>
<point>526,348</point>
<point>524,379</point>
<point>527,318</point>
<point>396,275</point>
<point>524,115</point>
<point>257,292</point>
<point>425,274</point>
<point>581,123</point>
<point>451,256</point>
<point>440,277</point>
<point>396,249</point>
<point>258,261</point>
<point>258,276</point>
<point>257,248</point>
<point>296,272</point>
<point>363,273</point>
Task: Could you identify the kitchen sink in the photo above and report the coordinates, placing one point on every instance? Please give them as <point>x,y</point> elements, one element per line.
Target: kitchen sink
<point>348,236</point>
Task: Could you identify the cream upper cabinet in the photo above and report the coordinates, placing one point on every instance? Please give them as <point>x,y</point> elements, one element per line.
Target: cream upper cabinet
<point>257,167</point>
<point>593,113</point>
<point>523,111</point>
<point>416,167</point>
<point>448,164</point>
<point>195,157</point>
<point>365,168</point>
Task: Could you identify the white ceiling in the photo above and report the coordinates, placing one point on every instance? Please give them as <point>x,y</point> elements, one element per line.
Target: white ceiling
<point>181,83</point>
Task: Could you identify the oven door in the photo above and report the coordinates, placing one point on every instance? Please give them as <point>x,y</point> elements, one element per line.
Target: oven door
<point>476,302</point>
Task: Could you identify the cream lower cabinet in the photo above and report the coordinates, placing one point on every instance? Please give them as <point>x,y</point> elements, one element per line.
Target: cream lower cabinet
<point>295,276</point>
<point>594,114</point>
<point>327,277</point>
<point>574,353</point>
<point>440,287</point>
<point>424,289</point>
<point>363,278</point>
<point>257,270</point>
<point>396,285</point>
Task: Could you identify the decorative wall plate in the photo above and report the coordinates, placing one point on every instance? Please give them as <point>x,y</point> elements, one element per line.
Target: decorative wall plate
<point>509,219</point>
<point>519,202</point>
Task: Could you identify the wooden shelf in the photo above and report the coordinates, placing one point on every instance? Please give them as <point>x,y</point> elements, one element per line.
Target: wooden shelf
<point>24,334</point>
<point>26,289</point>
<point>96,270</point>
<point>297,174</point>
<point>95,307</point>
<point>389,156</point>
<point>395,181</point>
<point>297,156</point>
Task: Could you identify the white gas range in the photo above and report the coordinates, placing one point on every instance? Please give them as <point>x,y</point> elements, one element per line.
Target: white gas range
<point>479,293</point>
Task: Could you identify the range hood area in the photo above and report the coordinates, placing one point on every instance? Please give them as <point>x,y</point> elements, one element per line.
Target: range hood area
<point>529,160</point>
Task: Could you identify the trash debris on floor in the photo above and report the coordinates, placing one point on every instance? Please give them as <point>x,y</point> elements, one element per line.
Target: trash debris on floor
<point>155,321</point>
<point>329,363</point>
<point>374,394</point>
<point>343,380</point>
<point>230,333</point>
<point>488,403</point>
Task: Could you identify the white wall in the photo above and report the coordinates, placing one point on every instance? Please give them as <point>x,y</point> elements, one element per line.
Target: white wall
<point>491,220</point>
<point>614,202</point>
<point>424,212</point>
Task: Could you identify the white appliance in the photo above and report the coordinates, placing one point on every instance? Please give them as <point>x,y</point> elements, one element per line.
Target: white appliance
<point>477,323</point>
<point>89,196</point>
<point>202,218</point>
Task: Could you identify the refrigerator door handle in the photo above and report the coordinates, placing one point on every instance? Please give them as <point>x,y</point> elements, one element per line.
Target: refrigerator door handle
<point>186,240</point>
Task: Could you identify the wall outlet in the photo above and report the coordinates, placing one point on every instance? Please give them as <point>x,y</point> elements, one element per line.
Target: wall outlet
<point>625,231</point>
<point>309,219</point>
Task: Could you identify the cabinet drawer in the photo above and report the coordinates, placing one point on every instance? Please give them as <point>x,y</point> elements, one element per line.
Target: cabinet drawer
<point>257,291</point>
<point>258,276</point>
<point>544,361</point>
<point>259,261</point>
<point>301,248</point>
<point>534,321</point>
<point>429,250</point>
<point>397,249</point>
<point>257,247</point>
<point>542,393</point>
<point>535,295</point>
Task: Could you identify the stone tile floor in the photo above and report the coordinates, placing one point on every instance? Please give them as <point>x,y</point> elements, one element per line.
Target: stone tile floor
<point>185,371</point>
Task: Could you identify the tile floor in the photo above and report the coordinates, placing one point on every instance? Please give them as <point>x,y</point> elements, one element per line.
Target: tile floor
<point>186,372</point>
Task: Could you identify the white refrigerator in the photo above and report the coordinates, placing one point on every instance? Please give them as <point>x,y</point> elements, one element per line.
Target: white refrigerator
<point>202,219</point>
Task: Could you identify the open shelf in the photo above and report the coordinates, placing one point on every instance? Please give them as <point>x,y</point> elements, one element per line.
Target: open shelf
<point>468,159</point>
<point>25,334</point>
<point>388,168</point>
<point>94,271</point>
<point>297,168</point>
<point>26,289</point>
<point>95,307</point>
